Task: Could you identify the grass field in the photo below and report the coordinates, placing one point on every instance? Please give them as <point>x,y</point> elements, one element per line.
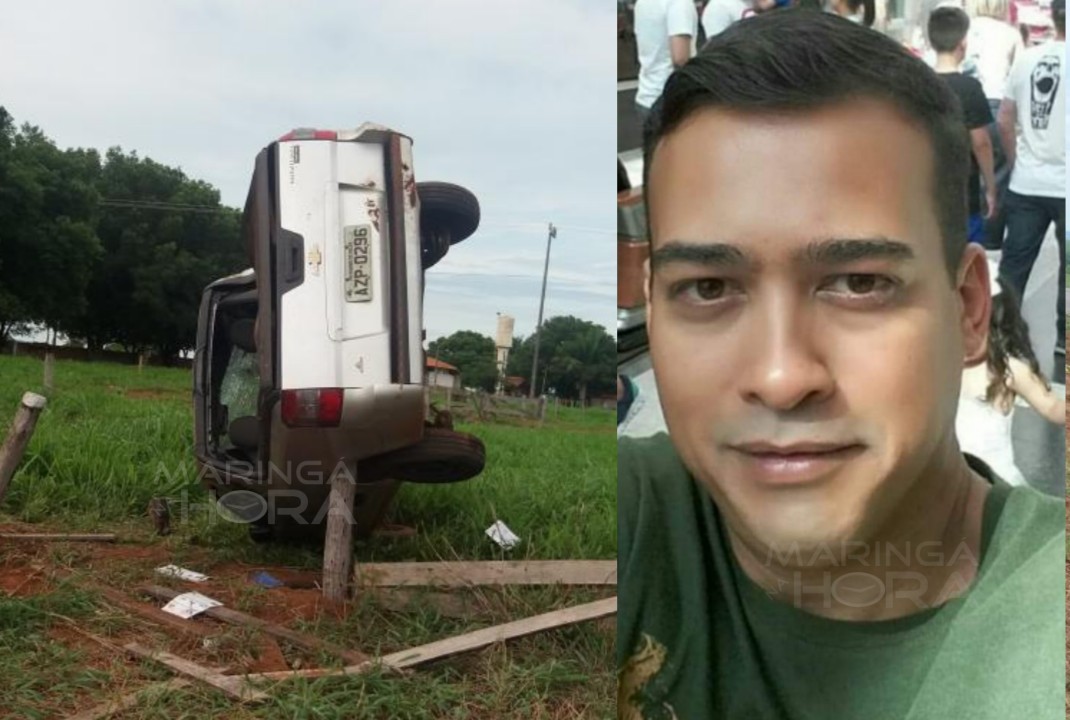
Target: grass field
<point>112,438</point>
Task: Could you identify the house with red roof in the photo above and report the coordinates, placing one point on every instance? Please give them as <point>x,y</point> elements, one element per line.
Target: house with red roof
<point>442,374</point>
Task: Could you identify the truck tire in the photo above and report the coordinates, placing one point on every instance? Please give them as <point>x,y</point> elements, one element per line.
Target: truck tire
<point>448,214</point>
<point>442,456</point>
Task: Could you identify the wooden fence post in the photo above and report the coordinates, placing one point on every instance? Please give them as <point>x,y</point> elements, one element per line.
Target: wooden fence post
<point>50,360</point>
<point>338,544</point>
<point>19,437</point>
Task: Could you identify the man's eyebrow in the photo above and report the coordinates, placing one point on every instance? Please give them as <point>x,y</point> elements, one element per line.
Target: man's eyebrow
<point>836,251</point>
<point>712,254</point>
<point>841,251</point>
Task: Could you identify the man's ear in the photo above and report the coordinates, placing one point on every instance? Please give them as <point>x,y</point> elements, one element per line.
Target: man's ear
<point>648,291</point>
<point>975,295</point>
<point>646,280</point>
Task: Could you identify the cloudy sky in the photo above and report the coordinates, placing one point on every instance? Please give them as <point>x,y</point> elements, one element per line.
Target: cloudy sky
<point>514,100</point>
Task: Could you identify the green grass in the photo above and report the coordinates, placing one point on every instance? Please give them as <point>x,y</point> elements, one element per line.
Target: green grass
<point>112,437</point>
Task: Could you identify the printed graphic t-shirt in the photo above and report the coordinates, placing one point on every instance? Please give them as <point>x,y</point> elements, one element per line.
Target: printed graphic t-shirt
<point>978,115</point>
<point>1035,85</point>
<point>697,639</point>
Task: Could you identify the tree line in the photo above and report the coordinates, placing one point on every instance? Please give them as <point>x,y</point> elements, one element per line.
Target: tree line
<point>577,359</point>
<point>112,249</point>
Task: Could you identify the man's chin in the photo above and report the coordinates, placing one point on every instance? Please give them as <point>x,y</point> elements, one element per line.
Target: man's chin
<point>801,535</point>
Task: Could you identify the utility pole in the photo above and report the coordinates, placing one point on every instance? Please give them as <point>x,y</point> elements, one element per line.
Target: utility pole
<point>538,327</point>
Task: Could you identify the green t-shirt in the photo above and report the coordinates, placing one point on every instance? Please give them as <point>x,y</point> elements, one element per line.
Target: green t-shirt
<point>698,639</point>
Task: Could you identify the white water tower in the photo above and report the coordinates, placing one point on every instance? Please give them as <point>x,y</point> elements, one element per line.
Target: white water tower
<point>503,343</point>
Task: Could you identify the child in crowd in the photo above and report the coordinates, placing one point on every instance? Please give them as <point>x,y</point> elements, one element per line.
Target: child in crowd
<point>989,390</point>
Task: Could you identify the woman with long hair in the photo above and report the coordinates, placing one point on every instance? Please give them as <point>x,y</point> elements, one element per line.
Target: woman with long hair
<point>990,389</point>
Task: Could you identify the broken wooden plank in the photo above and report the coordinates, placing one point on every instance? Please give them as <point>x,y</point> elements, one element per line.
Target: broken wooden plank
<point>308,642</point>
<point>19,437</point>
<point>468,574</point>
<point>151,612</point>
<point>129,700</point>
<point>499,633</point>
<point>60,537</point>
<point>232,685</point>
<point>462,643</point>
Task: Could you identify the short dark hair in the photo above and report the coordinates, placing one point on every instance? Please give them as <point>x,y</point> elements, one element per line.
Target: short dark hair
<point>1058,15</point>
<point>799,60</point>
<point>947,28</point>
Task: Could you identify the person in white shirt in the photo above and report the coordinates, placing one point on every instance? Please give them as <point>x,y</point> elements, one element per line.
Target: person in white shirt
<point>665,32</point>
<point>993,44</point>
<point>719,15</point>
<point>1032,124</point>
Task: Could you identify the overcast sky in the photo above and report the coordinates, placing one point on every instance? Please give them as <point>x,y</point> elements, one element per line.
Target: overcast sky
<point>514,100</point>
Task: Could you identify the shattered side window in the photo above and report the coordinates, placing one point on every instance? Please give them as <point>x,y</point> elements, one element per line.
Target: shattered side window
<point>241,383</point>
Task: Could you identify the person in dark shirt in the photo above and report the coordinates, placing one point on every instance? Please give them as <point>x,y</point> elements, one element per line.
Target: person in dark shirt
<point>808,541</point>
<point>948,28</point>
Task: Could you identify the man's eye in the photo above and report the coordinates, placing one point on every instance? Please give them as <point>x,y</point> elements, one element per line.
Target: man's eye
<point>864,284</point>
<point>709,289</point>
<point>704,290</point>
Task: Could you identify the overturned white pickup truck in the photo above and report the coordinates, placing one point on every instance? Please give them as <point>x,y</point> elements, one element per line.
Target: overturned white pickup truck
<point>311,364</point>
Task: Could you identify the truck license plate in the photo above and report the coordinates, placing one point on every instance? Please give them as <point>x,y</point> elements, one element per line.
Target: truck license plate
<point>358,263</point>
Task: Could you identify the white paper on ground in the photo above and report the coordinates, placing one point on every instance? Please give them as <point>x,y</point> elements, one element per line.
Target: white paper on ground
<point>502,535</point>
<point>189,604</point>
<point>181,573</point>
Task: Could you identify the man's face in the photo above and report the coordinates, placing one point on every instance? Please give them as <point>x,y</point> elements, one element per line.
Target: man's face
<point>806,337</point>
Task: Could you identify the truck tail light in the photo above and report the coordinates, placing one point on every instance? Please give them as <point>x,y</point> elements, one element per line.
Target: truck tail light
<point>309,134</point>
<point>318,407</point>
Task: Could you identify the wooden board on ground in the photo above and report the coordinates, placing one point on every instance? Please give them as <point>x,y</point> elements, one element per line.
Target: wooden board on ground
<point>499,633</point>
<point>60,537</point>
<point>468,574</point>
<point>308,642</point>
<point>191,627</point>
<point>467,642</point>
<point>235,686</point>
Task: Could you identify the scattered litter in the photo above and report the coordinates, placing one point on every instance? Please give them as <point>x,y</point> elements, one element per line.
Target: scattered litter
<point>266,579</point>
<point>499,533</point>
<point>181,573</point>
<point>189,604</point>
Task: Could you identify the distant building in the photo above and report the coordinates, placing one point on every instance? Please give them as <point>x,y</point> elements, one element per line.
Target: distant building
<point>442,374</point>
<point>515,385</point>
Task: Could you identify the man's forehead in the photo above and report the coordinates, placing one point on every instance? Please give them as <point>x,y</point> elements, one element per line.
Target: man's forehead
<point>853,171</point>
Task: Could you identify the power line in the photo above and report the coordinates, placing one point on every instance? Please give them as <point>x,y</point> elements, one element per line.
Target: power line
<point>162,205</point>
<point>539,226</point>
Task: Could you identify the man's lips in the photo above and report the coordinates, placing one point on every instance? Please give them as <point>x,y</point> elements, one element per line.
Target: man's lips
<point>795,463</point>
<point>793,449</point>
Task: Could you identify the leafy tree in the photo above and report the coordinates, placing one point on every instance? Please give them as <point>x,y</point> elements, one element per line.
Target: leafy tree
<point>48,243</point>
<point>577,358</point>
<point>146,289</point>
<point>471,353</point>
<point>75,261</point>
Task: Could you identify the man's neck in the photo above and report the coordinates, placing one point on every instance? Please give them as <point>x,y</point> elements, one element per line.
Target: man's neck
<point>927,552</point>
<point>947,62</point>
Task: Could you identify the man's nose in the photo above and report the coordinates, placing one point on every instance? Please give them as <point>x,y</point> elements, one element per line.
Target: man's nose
<point>788,367</point>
